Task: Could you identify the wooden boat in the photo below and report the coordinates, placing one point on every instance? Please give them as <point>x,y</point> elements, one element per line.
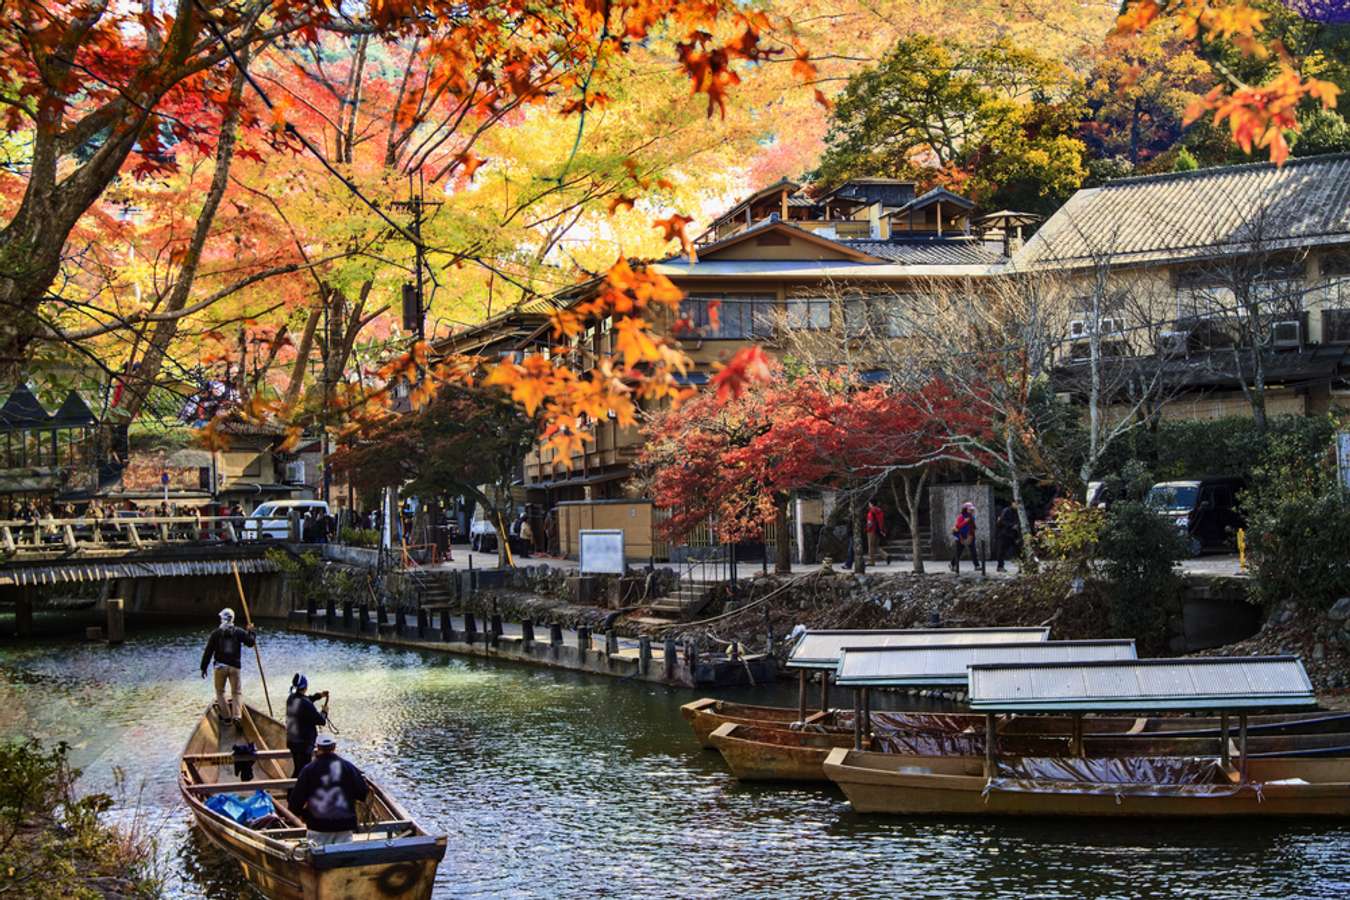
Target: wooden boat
<point>708,714</point>
<point>768,753</point>
<point>1131,784</point>
<point>884,783</point>
<point>389,855</point>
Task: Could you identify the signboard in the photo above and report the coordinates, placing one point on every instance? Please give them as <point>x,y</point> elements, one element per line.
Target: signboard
<point>1343,457</point>
<point>601,551</point>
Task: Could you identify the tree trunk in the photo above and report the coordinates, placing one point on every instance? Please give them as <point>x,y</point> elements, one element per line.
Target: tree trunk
<point>913,490</point>
<point>303,351</point>
<point>783,549</point>
<point>165,330</point>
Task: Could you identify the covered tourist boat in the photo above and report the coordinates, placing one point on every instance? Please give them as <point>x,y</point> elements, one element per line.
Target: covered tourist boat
<point>389,855</point>
<point>1233,782</point>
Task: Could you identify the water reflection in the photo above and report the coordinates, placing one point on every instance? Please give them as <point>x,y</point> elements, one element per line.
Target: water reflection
<point>557,785</point>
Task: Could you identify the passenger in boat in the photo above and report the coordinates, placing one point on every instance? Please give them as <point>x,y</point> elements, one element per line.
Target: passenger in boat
<point>303,719</point>
<point>326,793</point>
<point>224,647</point>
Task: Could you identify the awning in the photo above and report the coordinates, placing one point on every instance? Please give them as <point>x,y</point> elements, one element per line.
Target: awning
<point>65,573</point>
<point>947,666</point>
<point>821,649</point>
<point>1144,685</point>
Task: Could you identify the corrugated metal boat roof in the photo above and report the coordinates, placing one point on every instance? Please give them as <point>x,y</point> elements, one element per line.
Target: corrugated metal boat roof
<point>1145,685</point>
<point>820,649</point>
<point>948,665</point>
<point>65,573</point>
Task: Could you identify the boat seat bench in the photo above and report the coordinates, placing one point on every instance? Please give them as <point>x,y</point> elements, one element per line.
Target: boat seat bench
<point>241,787</point>
<point>392,825</point>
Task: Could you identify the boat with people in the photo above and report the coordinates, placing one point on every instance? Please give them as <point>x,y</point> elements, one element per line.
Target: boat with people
<point>1231,782</point>
<point>388,854</point>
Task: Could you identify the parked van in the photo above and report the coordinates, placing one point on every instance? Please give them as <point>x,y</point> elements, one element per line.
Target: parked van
<point>1205,510</point>
<point>273,518</point>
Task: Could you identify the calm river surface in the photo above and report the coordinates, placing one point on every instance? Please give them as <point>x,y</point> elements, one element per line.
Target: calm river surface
<point>554,785</point>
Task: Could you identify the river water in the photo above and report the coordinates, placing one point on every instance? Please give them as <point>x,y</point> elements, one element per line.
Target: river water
<point>558,785</point>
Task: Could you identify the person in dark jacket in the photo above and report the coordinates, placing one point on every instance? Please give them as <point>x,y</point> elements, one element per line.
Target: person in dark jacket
<point>1007,534</point>
<point>326,793</point>
<point>303,719</point>
<point>224,647</point>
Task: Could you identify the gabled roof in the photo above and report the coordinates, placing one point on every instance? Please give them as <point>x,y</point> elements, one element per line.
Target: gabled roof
<point>1205,213</point>
<point>22,410</point>
<point>936,195</point>
<point>777,187</point>
<point>774,224</point>
<point>74,413</point>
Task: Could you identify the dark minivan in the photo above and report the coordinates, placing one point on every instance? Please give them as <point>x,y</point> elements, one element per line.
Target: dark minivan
<point>1205,510</point>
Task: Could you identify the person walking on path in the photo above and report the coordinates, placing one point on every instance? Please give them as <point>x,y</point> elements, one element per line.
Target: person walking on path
<point>1007,534</point>
<point>326,793</point>
<point>876,530</point>
<point>963,531</point>
<point>303,719</point>
<point>224,647</point>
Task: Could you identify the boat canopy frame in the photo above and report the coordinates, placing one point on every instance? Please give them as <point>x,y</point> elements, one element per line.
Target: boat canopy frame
<point>947,665</point>
<point>820,648</point>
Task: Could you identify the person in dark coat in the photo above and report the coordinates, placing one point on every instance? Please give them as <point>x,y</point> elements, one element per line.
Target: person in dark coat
<point>326,793</point>
<point>1007,534</point>
<point>303,719</point>
<point>224,647</point>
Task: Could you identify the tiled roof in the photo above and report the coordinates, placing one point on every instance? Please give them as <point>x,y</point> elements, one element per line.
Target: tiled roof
<point>1203,213</point>
<point>937,252</point>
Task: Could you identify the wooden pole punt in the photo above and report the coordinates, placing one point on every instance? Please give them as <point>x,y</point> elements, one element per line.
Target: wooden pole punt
<point>989,738</point>
<point>867,712</point>
<point>857,719</point>
<point>801,696</point>
<point>248,622</point>
<point>1224,756</point>
<point>1242,745</point>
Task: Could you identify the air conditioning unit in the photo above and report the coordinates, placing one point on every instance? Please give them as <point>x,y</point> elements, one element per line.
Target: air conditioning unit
<point>295,472</point>
<point>1077,329</point>
<point>1174,343</point>
<point>1286,334</point>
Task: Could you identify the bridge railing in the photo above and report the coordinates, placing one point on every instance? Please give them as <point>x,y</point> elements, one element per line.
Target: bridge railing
<point>48,534</point>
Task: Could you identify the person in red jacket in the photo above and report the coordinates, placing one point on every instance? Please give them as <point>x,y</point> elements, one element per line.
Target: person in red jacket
<point>876,530</point>
<point>963,532</point>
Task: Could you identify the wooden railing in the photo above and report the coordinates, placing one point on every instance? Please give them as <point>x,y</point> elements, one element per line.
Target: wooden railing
<point>48,534</point>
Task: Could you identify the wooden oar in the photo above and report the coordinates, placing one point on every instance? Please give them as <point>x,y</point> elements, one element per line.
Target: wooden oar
<point>248,621</point>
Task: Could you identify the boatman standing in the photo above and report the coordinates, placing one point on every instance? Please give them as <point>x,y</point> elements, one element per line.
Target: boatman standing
<point>303,719</point>
<point>224,647</point>
<point>326,793</point>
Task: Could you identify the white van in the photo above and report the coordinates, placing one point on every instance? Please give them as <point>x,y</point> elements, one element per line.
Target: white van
<point>273,518</point>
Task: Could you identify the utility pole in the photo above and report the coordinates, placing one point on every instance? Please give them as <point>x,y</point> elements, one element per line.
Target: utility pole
<point>414,296</point>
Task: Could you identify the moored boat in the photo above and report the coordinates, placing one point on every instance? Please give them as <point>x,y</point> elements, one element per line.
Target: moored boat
<point>1127,785</point>
<point>389,855</point>
<point>766,753</point>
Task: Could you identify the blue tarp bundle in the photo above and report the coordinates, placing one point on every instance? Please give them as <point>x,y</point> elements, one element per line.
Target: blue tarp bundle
<point>245,812</point>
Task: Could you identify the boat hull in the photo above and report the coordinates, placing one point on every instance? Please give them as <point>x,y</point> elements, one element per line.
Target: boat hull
<point>397,866</point>
<point>911,787</point>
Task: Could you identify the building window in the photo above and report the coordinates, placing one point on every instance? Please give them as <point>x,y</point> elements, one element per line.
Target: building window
<point>885,316</point>
<point>739,316</point>
<point>808,313</point>
<point>1336,326</point>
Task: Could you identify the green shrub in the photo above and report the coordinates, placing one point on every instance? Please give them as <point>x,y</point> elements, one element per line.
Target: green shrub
<point>359,537</point>
<point>1138,552</point>
<point>1230,446</point>
<point>1298,528</point>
